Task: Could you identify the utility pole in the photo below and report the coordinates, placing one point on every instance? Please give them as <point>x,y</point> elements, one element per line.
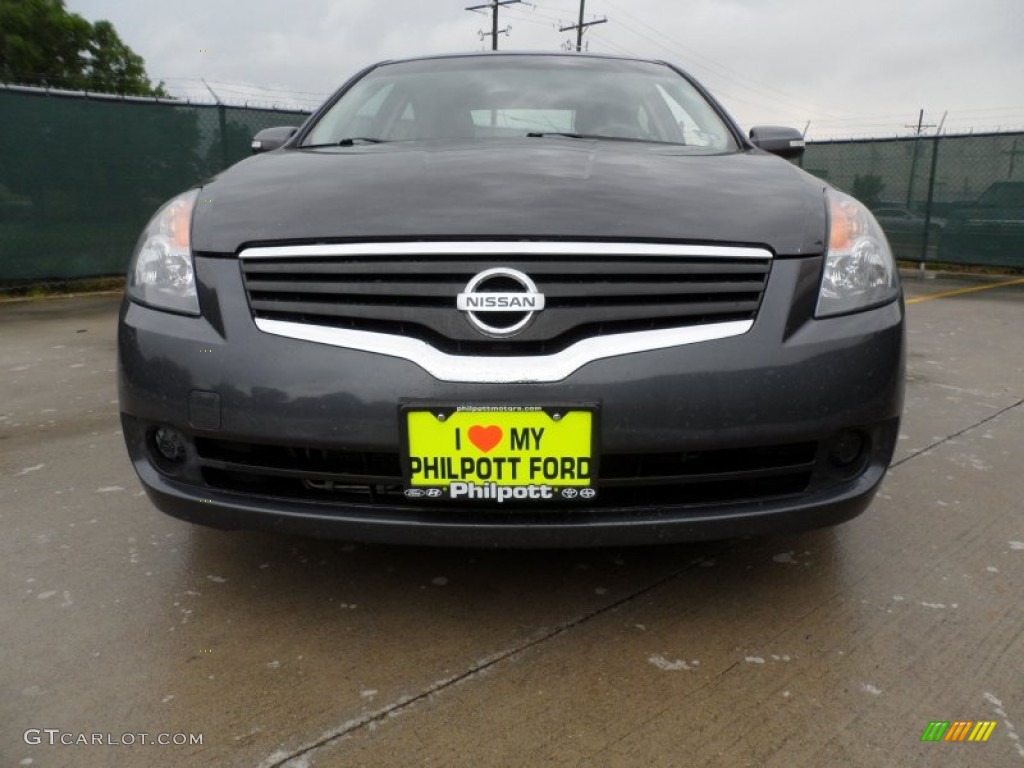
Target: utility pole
<point>580,26</point>
<point>920,127</point>
<point>918,130</point>
<point>494,5</point>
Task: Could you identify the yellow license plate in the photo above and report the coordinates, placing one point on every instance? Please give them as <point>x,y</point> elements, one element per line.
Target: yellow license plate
<point>499,453</point>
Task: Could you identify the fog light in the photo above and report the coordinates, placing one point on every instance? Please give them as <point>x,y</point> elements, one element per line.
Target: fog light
<point>846,449</point>
<point>170,444</point>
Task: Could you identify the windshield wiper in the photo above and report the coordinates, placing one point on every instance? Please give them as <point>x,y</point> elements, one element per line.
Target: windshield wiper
<point>360,140</point>
<point>599,136</point>
<point>565,134</point>
<point>347,142</point>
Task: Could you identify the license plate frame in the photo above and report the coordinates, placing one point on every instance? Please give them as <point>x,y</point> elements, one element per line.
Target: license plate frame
<point>525,453</point>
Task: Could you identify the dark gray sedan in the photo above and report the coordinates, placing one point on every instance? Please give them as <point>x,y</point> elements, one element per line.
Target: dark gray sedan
<point>514,300</point>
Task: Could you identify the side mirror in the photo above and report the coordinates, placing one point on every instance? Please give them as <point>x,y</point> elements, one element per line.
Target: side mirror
<point>271,138</point>
<point>784,142</point>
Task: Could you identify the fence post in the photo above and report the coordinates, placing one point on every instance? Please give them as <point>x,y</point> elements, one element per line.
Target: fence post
<point>928,203</point>
<point>913,171</point>
<point>222,118</point>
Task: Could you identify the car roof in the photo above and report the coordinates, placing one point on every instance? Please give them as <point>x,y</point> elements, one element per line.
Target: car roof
<point>529,54</point>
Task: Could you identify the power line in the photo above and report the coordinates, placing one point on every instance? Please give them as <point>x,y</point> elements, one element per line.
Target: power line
<point>527,20</point>
<point>320,94</point>
<point>226,86</point>
<point>712,66</point>
<point>533,12</point>
<point>494,5</point>
<point>614,46</point>
<point>717,70</point>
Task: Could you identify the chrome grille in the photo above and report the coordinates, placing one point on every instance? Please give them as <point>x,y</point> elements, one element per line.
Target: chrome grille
<point>591,289</point>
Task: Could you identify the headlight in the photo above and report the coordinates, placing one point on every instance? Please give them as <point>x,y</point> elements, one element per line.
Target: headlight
<point>860,271</point>
<point>161,273</point>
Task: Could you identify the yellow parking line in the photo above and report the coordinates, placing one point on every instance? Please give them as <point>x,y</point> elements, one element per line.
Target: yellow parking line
<point>959,291</point>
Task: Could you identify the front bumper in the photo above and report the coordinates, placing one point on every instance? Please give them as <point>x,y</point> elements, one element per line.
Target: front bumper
<point>790,381</point>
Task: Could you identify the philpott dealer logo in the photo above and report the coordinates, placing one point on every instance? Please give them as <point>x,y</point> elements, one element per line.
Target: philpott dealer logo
<point>958,730</point>
<point>500,302</point>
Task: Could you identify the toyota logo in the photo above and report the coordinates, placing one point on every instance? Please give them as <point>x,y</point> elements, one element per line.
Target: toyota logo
<point>500,302</point>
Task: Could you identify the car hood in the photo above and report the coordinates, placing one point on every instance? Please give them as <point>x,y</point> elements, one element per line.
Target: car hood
<point>536,188</point>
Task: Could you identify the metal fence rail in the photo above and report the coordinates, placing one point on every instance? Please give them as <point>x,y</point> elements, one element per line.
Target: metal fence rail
<point>82,173</point>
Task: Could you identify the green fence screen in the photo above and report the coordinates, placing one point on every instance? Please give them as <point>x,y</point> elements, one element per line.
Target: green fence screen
<point>80,176</point>
<point>954,199</point>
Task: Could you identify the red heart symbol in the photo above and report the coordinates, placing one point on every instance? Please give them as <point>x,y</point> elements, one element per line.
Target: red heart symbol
<point>484,438</point>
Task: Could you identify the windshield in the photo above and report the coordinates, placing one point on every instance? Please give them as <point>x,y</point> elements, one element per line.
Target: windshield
<point>485,97</point>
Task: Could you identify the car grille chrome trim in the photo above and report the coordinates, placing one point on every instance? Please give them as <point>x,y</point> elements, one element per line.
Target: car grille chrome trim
<point>410,289</point>
<point>505,248</point>
<point>539,369</point>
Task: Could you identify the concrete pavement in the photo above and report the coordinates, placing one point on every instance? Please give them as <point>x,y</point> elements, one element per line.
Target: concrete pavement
<point>836,647</point>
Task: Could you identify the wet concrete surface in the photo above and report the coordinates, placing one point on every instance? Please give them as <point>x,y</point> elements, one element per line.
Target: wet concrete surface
<point>835,647</point>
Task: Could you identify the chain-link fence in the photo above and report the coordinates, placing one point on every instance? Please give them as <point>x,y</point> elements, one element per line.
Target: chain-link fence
<point>955,199</point>
<point>80,175</point>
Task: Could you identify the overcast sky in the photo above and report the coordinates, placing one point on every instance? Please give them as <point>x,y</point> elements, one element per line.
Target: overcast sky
<point>849,67</point>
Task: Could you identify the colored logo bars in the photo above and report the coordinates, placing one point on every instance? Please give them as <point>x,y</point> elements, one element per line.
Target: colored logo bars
<point>958,730</point>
